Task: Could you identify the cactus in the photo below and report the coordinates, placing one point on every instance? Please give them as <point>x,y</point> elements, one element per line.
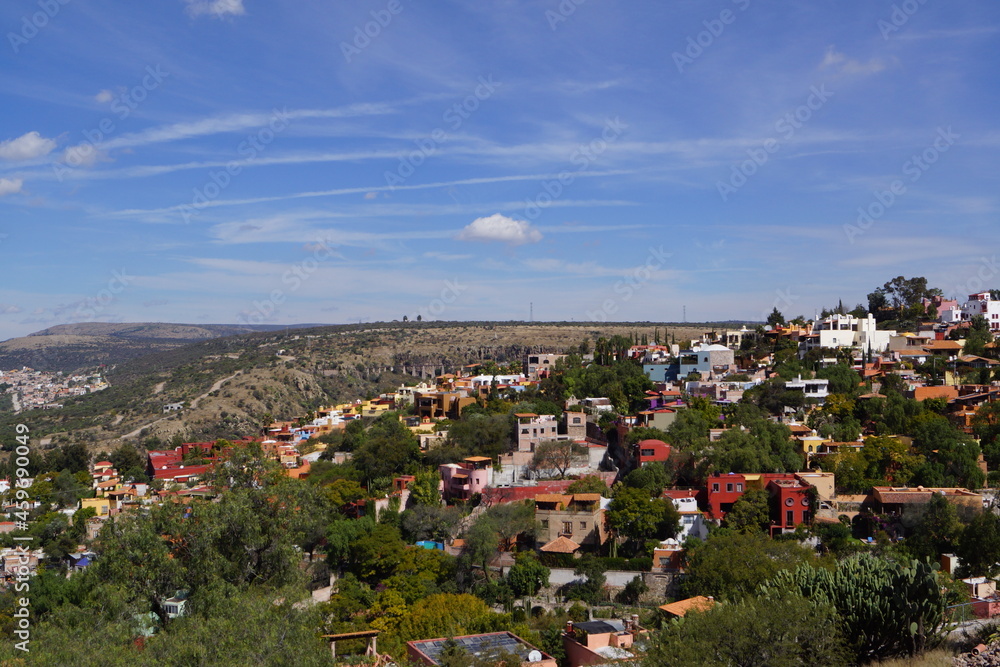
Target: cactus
<point>887,608</point>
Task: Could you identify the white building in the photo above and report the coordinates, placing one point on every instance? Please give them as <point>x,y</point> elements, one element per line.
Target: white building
<point>817,388</point>
<point>692,519</point>
<point>847,331</point>
<point>982,304</point>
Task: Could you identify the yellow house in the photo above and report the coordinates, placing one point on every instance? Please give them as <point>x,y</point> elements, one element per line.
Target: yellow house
<point>101,505</point>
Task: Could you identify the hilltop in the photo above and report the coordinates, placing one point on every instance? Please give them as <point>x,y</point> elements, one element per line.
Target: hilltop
<point>228,384</point>
<point>69,347</point>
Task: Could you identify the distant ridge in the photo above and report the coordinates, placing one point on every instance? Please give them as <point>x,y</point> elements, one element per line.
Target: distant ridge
<point>67,347</point>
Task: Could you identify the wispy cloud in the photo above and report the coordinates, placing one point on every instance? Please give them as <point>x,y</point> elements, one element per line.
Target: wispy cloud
<point>10,186</point>
<point>217,8</point>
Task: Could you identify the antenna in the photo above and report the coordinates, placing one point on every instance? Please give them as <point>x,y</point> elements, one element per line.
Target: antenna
<point>531,311</point>
<point>685,313</point>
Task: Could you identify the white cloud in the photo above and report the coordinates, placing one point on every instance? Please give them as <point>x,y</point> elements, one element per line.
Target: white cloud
<point>844,65</point>
<point>500,228</point>
<point>9,309</point>
<point>26,147</point>
<point>217,8</point>
<point>104,96</point>
<point>10,186</point>
<point>82,155</point>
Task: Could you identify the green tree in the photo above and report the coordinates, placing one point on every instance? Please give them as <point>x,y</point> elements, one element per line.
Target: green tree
<point>751,513</point>
<point>424,489</point>
<point>635,516</point>
<point>979,546</point>
<point>389,448</point>
<point>556,457</point>
<point>731,566</point>
<point>935,531</point>
<point>528,575</point>
<point>591,589</point>
<point>782,632</point>
<point>775,318</point>
<point>589,484</point>
<point>430,522</point>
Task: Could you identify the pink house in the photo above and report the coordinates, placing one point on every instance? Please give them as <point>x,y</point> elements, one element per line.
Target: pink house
<point>461,481</point>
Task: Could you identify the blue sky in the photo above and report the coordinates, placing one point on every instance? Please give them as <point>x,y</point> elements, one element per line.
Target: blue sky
<point>213,161</point>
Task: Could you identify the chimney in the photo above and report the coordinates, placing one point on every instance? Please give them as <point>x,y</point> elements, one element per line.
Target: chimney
<point>569,627</point>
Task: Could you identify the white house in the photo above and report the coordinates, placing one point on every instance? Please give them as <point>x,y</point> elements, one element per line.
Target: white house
<point>847,331</point>
<point>692,519</point>
<point>817,388</point>
<point>982,304</point>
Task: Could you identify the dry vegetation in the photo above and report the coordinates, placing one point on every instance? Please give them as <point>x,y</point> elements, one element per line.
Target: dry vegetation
<point>287,373</point>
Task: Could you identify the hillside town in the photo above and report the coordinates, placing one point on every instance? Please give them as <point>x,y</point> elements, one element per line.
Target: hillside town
<point>30,389</point>
<point>583,501</point>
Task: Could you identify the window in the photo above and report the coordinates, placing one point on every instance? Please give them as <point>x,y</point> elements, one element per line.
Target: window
<point>729,487</point>
<point>789,518</point>
<point>647,452</point>
<point>805,502</point>
<point>568,527</point>
<point>524,431</point>
<point>545,524</point>
<point>583,525</point>
<point>715,487</point>
<point>739,487</point>
<point>688,520</point>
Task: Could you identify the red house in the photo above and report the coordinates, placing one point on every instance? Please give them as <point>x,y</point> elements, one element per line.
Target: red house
<point>723,491</point>
<point>790,497</point>
<point>790,504</point>
<point>649,451</point>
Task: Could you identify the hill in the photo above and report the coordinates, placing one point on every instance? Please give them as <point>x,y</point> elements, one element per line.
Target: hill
<point>229,384</point>
<point>69,347</point>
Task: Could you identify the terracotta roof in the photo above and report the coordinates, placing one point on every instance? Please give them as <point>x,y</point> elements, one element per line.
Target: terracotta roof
<point>553,498</point>
<point>943,345</point>
<point>681,607</point>
<point>561,545</point>
<point>586,497</point>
